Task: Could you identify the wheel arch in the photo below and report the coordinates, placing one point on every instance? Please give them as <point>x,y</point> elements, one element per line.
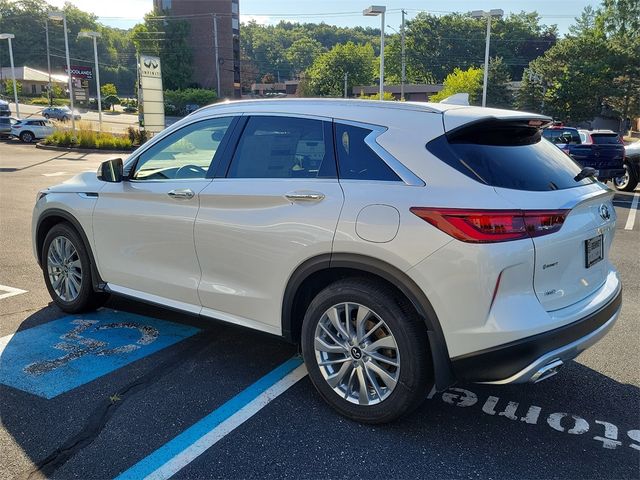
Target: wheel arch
<point>316,273</point>
<point>51,217</point>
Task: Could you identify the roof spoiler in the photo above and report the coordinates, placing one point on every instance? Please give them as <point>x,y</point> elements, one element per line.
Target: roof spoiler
<point>457,99</point>
<point>500,131</point>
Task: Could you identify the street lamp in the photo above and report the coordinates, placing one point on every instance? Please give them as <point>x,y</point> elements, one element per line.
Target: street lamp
<point>8,37</point>
<point>495,13</point>
<point>374,11</point>
<point>95,36</point>
<point>62,16</point>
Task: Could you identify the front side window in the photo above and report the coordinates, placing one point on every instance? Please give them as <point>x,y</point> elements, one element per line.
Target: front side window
<point>356,159</point>
<point>186,153</point>
<point>284,147</point>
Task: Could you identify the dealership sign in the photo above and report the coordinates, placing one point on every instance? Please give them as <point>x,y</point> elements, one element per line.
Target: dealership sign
<point>78,71</point>
<point>150,95</point>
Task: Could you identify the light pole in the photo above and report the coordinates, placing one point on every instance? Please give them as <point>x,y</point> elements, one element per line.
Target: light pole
<point>495,13</point>
<point>374,11</point>
<point>8,37</point>
<point>403,77</point>
<point>95,36</point>
<point>63,17</point>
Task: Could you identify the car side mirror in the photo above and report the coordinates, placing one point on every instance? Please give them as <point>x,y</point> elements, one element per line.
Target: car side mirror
<point>111,170</point>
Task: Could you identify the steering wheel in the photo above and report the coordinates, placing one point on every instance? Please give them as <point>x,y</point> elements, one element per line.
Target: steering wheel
<point>191,171</point>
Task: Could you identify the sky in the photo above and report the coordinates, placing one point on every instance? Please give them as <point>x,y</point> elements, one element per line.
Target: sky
<point>348,13</point>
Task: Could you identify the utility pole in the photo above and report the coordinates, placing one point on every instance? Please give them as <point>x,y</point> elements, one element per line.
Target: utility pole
<point>217,55</point>
<point>495,13</point>
<point>8,37</point>
<point>46,28</point>
<point>403,78</point>
<point>346,76</point>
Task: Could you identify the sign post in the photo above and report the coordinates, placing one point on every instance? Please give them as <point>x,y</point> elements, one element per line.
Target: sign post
<point>150,94</point>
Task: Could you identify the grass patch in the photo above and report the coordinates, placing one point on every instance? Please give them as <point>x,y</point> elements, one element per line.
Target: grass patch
<point>44,101</point>
<point>85,138</point>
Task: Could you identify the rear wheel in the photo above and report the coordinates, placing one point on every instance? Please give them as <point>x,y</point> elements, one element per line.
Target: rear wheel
<point>627,182</point>
<point>67,270</point>
<point>46,115</point>
<point>26,137</point>
<point>366,351</point>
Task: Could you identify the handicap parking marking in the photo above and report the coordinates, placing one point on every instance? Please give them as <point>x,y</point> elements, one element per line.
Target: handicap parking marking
<point>176,454</point>
<point>6,291</point>
<point>64,354</point>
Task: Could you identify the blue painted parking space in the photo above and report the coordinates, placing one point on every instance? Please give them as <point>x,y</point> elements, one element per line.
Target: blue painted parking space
<point>61,355</point>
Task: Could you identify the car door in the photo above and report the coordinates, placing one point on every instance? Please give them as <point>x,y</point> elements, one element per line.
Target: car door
<point>273,207</point>
<point>143,226</point>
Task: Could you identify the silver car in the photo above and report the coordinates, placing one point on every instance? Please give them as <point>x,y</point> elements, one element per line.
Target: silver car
<point>60,113</point>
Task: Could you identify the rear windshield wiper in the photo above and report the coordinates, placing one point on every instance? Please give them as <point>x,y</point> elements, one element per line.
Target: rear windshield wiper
<point>585,172</point>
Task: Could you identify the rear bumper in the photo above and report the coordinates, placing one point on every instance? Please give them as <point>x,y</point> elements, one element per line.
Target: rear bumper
<point>610,173</point>
<point>534,358</point>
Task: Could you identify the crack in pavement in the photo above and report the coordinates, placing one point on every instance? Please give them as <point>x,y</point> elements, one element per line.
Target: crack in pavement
<point>107,408</point>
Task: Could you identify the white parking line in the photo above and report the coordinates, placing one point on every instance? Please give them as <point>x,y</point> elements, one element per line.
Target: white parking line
<point>10,291</point>
<point>632,212</point>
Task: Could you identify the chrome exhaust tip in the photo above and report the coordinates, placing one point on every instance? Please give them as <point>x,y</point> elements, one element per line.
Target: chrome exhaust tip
<point>549,370</point>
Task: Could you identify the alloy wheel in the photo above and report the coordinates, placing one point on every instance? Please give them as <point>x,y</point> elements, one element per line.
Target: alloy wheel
<point>357,354</point>
<point>64,269</point>
<point>622,181</point>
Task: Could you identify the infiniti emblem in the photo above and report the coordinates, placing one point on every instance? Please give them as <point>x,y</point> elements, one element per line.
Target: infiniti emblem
<point>356,353</point>
<point>604,212</point>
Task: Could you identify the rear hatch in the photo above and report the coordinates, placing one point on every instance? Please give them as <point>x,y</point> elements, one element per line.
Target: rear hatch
<point>509,154</point>
<point>608,149</point>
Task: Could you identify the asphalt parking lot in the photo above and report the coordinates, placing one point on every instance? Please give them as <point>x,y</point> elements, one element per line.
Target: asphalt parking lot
<point>133,391</point>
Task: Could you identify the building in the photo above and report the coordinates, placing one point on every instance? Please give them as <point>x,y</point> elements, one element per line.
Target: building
<point>288,87</point>
<point>205,16</point>
<point>34,82</point>
<point>412,92</point>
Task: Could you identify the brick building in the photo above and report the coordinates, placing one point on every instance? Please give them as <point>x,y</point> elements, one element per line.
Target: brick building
<point>202,15</point>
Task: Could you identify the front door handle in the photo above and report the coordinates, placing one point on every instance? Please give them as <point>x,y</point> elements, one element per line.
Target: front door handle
<point>181,193</point>
<point>304,196</point>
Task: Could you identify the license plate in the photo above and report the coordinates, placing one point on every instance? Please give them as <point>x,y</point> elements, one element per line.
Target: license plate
<point>593,250</point>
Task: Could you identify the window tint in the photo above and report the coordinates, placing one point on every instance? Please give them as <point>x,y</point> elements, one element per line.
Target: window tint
<point>283,147</point>
<point>186,153</point>
<point>509,158</point>
<point>605,139</point>
<point>356,160</point>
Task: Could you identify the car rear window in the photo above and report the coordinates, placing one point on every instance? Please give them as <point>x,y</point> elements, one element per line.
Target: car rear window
<point>507,156</point>
<point>562,135</point>
<point>606,139</point>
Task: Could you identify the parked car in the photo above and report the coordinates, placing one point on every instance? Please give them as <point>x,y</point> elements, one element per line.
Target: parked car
<point>629,181</point>
<point>32,129</point>
<point>60,113</point>
<point>404,246</point>
<point>5,125</point>
<point>601,150</point>
<point>5,111</point>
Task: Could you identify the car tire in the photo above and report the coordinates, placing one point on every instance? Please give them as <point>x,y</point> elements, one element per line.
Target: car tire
<point>67,270</point>
<point>46,115</point>
<point>628,182</point>
<point>393,362</point>
<point>65,119</point>
<point>27,137</point>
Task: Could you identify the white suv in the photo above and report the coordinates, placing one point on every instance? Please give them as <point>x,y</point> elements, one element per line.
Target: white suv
<point>402,245</point>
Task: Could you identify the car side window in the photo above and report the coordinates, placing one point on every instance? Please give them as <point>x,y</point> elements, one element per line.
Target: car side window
<point>284,147</point>
<point>186,153</point>
<point>356,159</point>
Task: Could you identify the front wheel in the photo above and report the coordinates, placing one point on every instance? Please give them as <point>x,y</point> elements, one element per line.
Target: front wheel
<point>67,270</point>
<point>26,137</point>
<point>366,351</point>
<point>627,182</point>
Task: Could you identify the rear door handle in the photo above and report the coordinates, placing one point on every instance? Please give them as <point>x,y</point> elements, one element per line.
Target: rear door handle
<point>181,193</point>
<point>305,196</point>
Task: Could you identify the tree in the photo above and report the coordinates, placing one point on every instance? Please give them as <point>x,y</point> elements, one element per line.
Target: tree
<point>7,85</point>
<point>302,53</point>
<point>326,76</point>
<point>498,93</point>
<point>462,81</point>
<point>111,100</point>
<point>108,89</point>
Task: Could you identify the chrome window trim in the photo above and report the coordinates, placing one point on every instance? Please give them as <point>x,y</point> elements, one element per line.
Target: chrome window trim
<point>406,175</point>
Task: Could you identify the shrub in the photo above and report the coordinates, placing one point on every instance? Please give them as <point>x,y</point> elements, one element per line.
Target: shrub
<point>137,136</point>
<point>179,99</point>
<point>86,138</point>
<point>40,101</point>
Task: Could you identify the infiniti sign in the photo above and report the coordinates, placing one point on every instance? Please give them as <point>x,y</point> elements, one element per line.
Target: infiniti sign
<point>604,212</point>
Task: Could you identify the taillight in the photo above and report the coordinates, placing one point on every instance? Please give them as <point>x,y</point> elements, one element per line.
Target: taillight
<point>488,226</point>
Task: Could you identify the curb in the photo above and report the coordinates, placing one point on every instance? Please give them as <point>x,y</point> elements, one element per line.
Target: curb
<point>83,150</point>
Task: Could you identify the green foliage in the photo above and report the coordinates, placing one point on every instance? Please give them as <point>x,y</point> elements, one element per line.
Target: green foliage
<point>39,101</point>
<point>326,76</point>
<point>167,38</point>
<point>85,138</point>
<point>498,93</point>
<point>108,89</point>
<point>57,91</point>
<point>462,81</point>
<point>137,136</point>
<point>302,53</point>
<point>111,100</point>
<point>181,98</point>
<point>376,96</point>
<point>7,87</point>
